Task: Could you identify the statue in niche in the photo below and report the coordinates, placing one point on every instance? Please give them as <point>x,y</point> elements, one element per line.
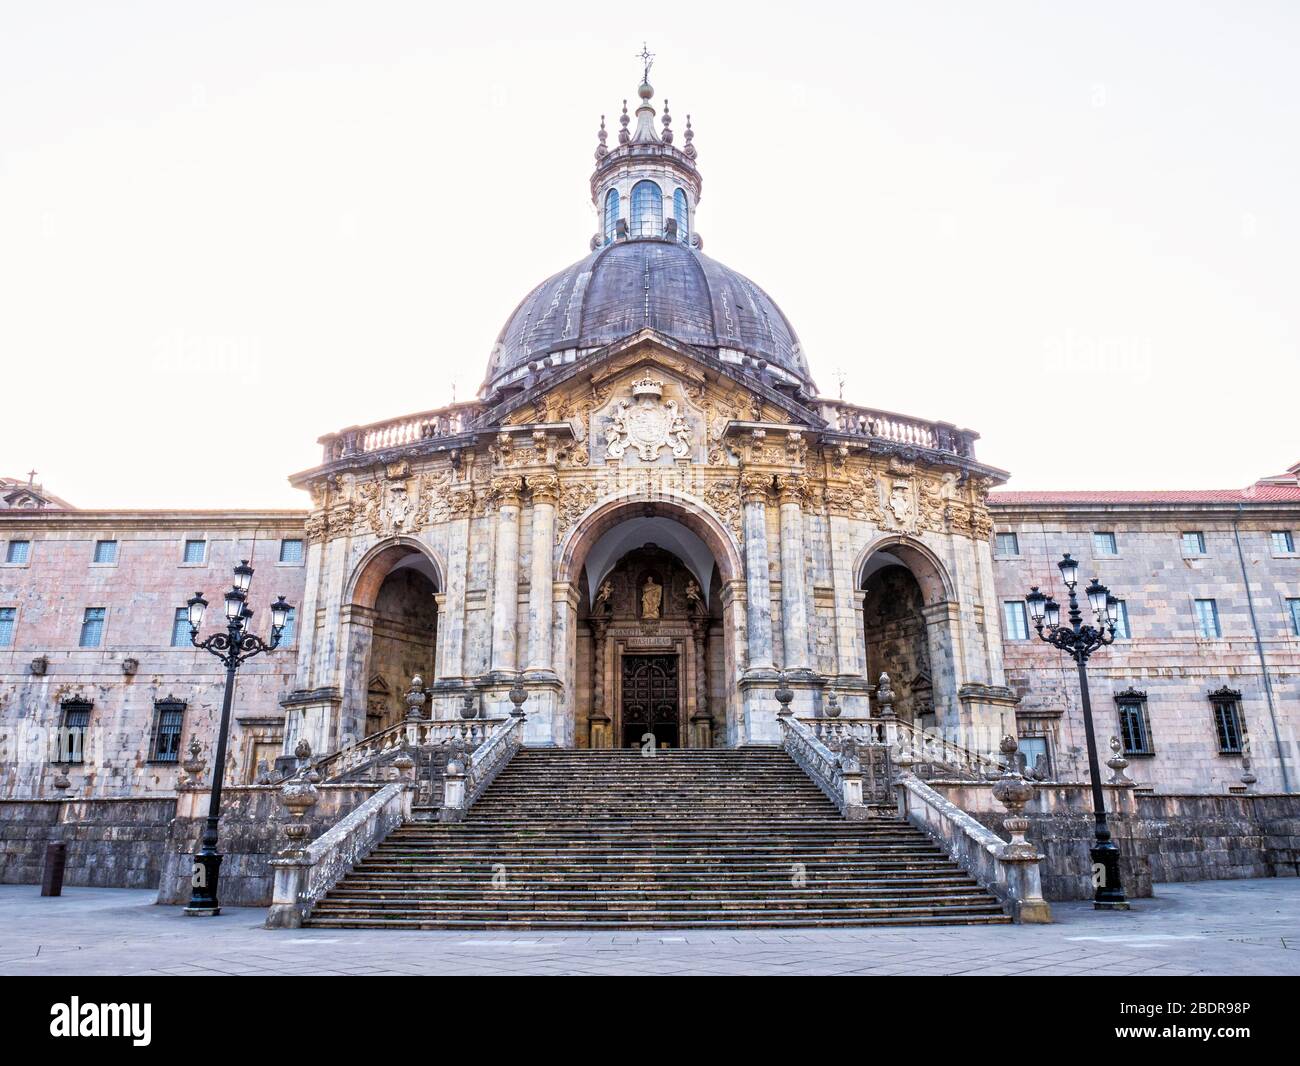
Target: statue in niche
<point>694,601</point>
<point>652,595</point>
<point>603,594</point>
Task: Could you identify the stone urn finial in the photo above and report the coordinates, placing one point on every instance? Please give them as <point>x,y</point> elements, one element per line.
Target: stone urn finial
<point>1117,762</point>
<point>784,694</point>
<point>298,795</point>
<point>1013,792</point>
<point>517,694</point>
<point>302,750</point>
<point>195,764</point>
<point>469,705</point>
<point>404,765</point>
<point>415,699</point>
<point>885,696</point>
<point>832,708</point>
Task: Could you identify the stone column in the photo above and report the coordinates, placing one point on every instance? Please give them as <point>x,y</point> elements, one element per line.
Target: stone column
<point>451,628</point>
<point>545,489</point>
<point>702,719</point>
<point>758,588</point>
<point>794,577</point>
<point>505,597</point>
<point>598,720</point>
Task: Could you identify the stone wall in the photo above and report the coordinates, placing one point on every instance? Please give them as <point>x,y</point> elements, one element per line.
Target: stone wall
<point>116,843</point>
<point>251,833</point>
<point>1162,838</point>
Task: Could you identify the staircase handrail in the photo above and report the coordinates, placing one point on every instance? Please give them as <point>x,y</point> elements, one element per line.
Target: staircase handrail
<point>405,735</point>
<point>491,756</point>
<point>839,776</point>
<point>896,733</point>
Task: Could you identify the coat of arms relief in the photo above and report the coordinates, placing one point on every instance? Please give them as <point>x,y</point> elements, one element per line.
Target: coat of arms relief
<point>647,424</point>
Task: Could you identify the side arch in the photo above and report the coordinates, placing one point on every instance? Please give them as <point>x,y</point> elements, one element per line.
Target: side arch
<point>377,563</point>
<point>931,574</point>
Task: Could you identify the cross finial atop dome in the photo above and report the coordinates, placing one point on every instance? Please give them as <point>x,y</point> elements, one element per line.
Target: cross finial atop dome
<point>647,58</point>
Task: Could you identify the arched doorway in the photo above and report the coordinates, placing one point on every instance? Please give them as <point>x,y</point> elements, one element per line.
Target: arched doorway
<point>652,635</point>
<point>907,630</point>
<point>391,633</point>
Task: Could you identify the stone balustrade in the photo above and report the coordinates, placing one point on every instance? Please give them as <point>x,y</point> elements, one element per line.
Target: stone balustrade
<point>381,748</point>
<point>839,775</point>
<point>899,429</point>
<point>932,753</point>
<point>466,780</point>
<point>398,432</point>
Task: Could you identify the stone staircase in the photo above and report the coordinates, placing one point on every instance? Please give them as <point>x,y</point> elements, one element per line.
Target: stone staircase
<point>685,839</point>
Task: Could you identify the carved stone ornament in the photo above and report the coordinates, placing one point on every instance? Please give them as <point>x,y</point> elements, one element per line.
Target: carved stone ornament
<point>648,424</point>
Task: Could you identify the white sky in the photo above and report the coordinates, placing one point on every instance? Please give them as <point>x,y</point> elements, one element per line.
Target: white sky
<point>228,228</point>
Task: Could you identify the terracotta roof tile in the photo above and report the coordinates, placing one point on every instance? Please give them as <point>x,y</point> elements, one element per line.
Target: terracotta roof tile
<point>1260,493</point>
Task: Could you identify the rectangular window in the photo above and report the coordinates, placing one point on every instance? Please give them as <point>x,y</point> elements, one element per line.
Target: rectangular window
<point>73,722</point>
<point>1134,726</point>
<point>1283,542</point>
<point>290,627</point>
<point>1207,619</point>
<point>1228,727</point>
<point>1104,544</point>
<point>1015,620</point>
<point>1193,543</point>
<point>1293,611</point>
<point>290,551</point>
<point>1008,544</point>
<point>92,627</point>
<point>181,628</point>
<point>1122,630</point>
<point>9,615</point>
<point>195,551</point>
<point>105,551</point>
<point>18,551</point>
<point>167,718</point>
<point>1033,756</point>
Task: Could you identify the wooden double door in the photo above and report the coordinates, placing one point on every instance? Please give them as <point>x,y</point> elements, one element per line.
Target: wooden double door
<point>650,697</point>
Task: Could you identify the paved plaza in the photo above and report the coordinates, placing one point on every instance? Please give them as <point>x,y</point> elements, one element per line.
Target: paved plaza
<point>1211,927</point>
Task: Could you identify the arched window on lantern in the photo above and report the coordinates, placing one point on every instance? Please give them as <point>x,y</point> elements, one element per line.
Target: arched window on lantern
<point>647,210</point>
<point>682,212</point>
<point>611,214</point>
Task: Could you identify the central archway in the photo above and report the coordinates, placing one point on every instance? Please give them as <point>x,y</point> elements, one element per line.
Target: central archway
<point>650,629</point>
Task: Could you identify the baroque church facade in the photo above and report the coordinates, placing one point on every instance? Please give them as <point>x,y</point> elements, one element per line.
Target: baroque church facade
<point>650,519</point>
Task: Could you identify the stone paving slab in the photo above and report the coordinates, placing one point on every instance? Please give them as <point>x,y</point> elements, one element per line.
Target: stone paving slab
<point>1208,927</point>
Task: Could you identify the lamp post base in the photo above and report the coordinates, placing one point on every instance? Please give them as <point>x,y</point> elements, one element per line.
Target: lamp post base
<point>1108,894</point>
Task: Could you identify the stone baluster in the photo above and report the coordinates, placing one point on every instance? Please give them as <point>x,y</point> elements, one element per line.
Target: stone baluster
<point>754,488</point>
<point>545,490</point>
<point>794,591</point>
<point>505,598</point>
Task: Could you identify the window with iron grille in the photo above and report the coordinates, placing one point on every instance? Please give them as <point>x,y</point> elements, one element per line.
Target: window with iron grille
<point>1283,542</point>
<point>105,551</point>
<point>290,551</point>
<point>92,627</point>
<point>1134,724</point>
<point>195,550</point>
<point>8,619</point>
<point>1229,729</point>
<point>1007,544</point>
<point>1193,543</point>
<point>18,551</point>
<point>74,719</point>
<point>168,716</point>
<point>1207,618</point>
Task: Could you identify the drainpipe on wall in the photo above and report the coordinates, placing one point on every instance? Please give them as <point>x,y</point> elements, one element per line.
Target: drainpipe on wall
<point>1259,648</point>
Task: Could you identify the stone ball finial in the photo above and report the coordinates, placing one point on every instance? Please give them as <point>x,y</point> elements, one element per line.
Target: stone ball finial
<point>1117,763</point>
<point>302,750</point>
<point>832,705</point>
<point>646,91</point>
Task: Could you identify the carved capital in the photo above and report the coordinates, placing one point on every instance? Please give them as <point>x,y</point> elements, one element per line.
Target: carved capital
<point>755,486</point>
<point>545,488</point>
<point>793,488</point>
<point>507,490</point>
<point>460,501</point>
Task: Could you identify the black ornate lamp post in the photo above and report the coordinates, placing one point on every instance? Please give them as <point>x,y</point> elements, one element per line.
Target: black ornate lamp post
<point>1079,641</point>
<point>233,647</point>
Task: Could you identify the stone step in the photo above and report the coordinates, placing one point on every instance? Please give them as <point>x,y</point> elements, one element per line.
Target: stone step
<point>537,881</point>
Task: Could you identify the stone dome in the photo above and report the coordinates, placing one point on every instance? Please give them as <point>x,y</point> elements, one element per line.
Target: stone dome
<point>630,285</point>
